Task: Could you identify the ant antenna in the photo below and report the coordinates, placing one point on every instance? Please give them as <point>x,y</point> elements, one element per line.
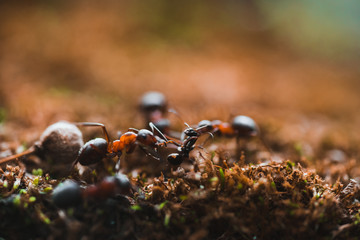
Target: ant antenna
<point>149,153</point>
<point>205,141</point>
<point>152,126</point>
<point>171,110</point>
<point>211,135</point>
<point>133,130</point>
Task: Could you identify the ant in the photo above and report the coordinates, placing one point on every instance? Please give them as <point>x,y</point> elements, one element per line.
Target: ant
<point>154,106</point>
<point>184,149</point>
<point>109,186</point>
<point>241,127</point>
<point>96,149</point>
<point>69,193</point>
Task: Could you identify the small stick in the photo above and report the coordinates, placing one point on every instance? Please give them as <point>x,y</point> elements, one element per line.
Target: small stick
<point>31,150</point>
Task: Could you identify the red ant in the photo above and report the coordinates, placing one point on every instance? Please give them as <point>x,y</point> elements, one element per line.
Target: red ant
<point>153,105</point>
<point>69,193</point>
<point>96,149</point>
<point>108,187</point>
<point>241,127</point>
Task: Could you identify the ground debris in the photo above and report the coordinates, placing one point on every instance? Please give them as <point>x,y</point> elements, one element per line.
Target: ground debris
<point>272,200</point>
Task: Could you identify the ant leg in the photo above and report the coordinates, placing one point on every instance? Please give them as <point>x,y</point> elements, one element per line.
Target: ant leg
<point>238,148</point>
<point>117,166</point>
<point>267,147</point>
<point>207,139</point>
<point>152,126</point>
<point>148,153</point>
<point>119,133</point>
<point>93,124</point>
<point>13,157</point>
<point>173,140</point>
<point>171,110</point>
<point>164,144</point>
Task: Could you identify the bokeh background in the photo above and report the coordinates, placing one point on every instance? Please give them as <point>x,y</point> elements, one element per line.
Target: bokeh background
<point>291,65</point>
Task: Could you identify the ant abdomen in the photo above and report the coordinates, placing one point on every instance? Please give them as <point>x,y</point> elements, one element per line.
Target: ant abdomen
<point>92,152</point>
<point>67,194</point>
<point>152,101</point>
<point>244,126</point>
<point>70,194</point>
<point>109,187</point>
<point>175,159</point>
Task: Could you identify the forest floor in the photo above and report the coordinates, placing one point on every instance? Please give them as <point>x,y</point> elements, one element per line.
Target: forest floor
<point>302,183</point>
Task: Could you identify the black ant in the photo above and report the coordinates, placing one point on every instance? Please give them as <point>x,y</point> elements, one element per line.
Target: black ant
<point>96,149</point>
<point>184,149</point>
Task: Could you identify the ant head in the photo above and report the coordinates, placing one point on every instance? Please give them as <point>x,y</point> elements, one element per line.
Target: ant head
<point>144,133</point>
<point>93,151</point>
<point>190,132</point>
<point>146,137</point>
<point>245,126</point>
<point>175,159</point>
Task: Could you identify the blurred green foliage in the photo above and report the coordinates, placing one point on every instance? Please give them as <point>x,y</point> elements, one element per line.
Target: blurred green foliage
<point>329,28</point>
<point>2,115</point>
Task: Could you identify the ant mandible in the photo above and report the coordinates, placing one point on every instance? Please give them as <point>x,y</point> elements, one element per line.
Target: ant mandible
<point>96,149</point>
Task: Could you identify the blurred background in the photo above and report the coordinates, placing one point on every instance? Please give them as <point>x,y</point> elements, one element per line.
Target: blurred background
<point>291,65</point>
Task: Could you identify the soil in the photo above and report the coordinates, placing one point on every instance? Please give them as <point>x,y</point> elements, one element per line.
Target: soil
<point>299,179</point>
